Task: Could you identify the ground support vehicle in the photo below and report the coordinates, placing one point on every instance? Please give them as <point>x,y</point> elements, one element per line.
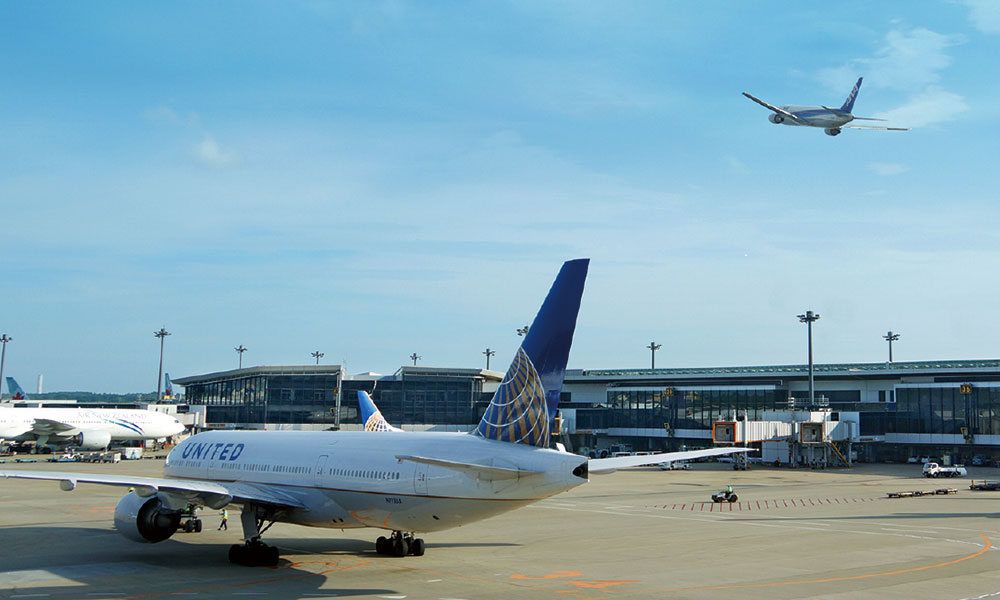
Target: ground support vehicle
<point>933,469</point>
<point>727,495</point>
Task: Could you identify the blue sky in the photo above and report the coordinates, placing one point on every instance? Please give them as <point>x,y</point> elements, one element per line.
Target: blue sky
<point>373,179</point>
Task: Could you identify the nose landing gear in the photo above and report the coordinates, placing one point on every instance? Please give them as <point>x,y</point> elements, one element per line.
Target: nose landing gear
<point>400,544</point>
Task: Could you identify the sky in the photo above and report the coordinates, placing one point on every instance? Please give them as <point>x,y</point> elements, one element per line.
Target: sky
<point>376,179</point>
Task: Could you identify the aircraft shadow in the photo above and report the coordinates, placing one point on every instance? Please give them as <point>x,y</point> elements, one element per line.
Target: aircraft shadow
<point>79,562</point>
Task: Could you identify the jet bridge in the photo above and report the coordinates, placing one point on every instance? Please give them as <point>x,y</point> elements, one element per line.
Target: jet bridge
<point>817,438</point>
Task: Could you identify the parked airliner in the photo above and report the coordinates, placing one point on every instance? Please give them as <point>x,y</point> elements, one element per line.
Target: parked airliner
<point>831,120</point>
<point>84,428</point>
<point>403,482</point>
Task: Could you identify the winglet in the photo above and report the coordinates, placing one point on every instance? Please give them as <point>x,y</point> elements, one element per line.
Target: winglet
<point>526,401</point>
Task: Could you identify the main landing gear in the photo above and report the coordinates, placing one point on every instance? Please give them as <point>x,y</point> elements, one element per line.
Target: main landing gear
<point>400,544</point>
<point>253,552</point>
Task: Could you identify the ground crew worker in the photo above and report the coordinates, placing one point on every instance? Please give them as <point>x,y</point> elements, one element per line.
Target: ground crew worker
<point>225,518</point>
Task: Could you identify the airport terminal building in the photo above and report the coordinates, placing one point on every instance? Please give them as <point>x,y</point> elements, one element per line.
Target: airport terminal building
<point>903,409</point>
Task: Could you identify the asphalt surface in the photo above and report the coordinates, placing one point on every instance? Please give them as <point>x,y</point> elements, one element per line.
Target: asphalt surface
<point>641,533</point>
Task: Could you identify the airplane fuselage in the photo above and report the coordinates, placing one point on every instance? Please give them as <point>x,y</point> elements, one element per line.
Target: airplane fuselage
<point>812,116</point>
<point>354,479</point>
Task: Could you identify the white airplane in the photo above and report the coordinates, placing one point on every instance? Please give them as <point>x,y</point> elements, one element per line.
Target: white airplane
<point>832,120</point>
<point>84,428</point>
<point>403,482</point>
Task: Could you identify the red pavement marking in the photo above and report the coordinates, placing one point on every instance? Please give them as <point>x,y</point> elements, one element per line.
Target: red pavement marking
<point>786,504</point>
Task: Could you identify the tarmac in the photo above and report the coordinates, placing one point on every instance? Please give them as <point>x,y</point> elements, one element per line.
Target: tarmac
<point>640,533</point>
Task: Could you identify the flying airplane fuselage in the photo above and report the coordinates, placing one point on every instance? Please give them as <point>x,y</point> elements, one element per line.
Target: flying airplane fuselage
<point>347,481</point>
<point>811,116</point>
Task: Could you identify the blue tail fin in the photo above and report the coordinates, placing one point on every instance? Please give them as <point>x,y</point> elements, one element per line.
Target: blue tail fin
<point>522,409</point>
<point>371,416</point>
<point>15,390</point>
<point>849,103</point>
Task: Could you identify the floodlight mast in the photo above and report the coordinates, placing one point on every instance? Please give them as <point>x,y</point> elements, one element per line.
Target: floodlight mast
<point>808,319</point>
<point>488,354</point>
<point>317,355</point>
<point>890,337</point>
<point>3,357</point>
<point>415,357</point>
<point>653,347</point>
<point>240,350</point>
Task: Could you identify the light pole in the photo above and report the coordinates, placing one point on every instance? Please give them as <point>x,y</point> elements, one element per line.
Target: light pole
<point>3,357</point>
<point>240,350</point>
<point>890,337</point>
<point>414,357</point>
<point>523,331</point>
<point>488,354</point>
<point>317,355</point>
<point>653,347</point>
<point>808,319</point>
<point>162,334</point>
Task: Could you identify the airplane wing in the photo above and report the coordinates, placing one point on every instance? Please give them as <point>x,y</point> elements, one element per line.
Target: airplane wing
<point>487,471</point>
<point>601,466</point>
<point>53,427</point>
<point>212,494</point>
<point>783,113</point>
<point>877,127</point>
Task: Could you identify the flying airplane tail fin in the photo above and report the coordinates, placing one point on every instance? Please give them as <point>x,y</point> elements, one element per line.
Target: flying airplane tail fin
<point>15,390</point>
<point>524,405</point>
<point>370,414</point>
<point>849,103</point>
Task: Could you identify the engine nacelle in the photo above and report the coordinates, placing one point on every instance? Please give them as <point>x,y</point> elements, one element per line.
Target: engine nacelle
<point>145,520</point>
<point>832,131</point>
<point>776,118</point>
<point>92,440</point>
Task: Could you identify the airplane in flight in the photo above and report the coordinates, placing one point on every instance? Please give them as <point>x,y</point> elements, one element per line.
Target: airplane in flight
<point>84,428</point>
<point>831,120</point>
<point>402,482</point>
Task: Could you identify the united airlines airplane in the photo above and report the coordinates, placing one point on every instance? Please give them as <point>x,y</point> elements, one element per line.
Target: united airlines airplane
<point>831,120</point>
<point>403,482</point>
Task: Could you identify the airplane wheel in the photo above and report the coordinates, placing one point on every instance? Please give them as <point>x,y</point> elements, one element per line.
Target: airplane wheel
<point>400,547</point>
<point>382,545</point>
<point>417,547</point>
<point>197,526</point>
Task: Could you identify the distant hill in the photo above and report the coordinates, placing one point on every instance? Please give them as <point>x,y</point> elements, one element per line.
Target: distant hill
<point>139,398</point>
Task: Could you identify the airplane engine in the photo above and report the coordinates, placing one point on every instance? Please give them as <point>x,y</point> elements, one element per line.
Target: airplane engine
<point>776,118</point>
<point>832,131</point>
<point>145,520</point>
<point>92,440</point>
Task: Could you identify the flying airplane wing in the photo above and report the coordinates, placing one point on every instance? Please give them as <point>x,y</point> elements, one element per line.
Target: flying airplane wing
<point>210,493</point>
<point>601,466</point>
<point>877,127</point>
<point>783,113</point>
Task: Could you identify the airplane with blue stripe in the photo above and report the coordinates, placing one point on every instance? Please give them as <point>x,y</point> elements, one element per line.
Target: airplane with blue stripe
<point>402,482</point>
<point>831,120</point>
<point>83,428</point>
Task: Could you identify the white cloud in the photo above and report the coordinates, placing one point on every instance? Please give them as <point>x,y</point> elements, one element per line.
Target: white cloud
<point>984,14</point>
<point>887,169</point>
<point>909,62</point>
<point>209,152</point>
<point>933,105</point>
<point>169,115</point>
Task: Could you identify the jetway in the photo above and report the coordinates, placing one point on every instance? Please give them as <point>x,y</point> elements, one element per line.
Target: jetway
<point>818,439</point>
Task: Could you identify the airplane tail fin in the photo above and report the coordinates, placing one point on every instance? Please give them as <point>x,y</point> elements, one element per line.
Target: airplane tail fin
<point>371,416</point>
<point>15,390</point>
<point>524,405</point>
<point>849,103</point>
<point>166,385</point>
